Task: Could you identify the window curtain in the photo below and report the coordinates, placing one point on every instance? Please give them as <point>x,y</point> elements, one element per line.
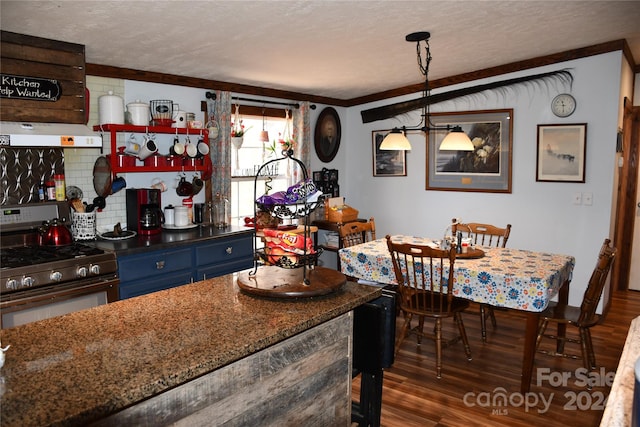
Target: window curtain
<point>302,134</point>
<point>221,147</point>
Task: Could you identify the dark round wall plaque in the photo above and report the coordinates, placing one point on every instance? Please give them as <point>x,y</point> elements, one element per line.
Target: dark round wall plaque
<point>327,134</point>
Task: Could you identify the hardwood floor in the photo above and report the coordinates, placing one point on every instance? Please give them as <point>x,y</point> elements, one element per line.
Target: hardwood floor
<point>468,394</point>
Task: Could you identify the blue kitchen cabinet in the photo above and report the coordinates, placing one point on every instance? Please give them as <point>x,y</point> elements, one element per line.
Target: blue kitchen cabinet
<point>154,271</point>
<point>223,256</point>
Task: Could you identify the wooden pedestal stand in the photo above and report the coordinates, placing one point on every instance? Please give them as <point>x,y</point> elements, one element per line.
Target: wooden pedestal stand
<point>277,282</point>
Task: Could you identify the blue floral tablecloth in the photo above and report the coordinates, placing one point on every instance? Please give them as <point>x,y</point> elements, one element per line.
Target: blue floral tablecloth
<point>504,277</point>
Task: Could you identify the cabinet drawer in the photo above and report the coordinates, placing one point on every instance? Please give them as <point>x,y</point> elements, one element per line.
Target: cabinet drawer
<point>216,270</point>
<point>224,250</point>
<point>154,263</point>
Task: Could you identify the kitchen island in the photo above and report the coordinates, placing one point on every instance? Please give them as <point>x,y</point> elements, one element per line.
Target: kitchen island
<point>203,353</point>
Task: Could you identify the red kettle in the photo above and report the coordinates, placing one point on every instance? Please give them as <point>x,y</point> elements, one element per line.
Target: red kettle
<point>55,233</point>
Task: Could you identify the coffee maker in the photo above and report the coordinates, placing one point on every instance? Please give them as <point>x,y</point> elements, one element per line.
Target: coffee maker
<point>144,212</point>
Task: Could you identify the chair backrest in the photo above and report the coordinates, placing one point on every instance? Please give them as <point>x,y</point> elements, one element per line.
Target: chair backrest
<point>484,234</point>
<point>596,286</point>
<point>354,233</point>
<point>425,284</point>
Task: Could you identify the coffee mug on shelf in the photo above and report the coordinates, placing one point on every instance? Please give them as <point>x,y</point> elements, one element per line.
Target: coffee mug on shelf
<point>132,146</point>
<point>118,184</point>
<point>191,149</point>
<point>147,148</point>
<point>197,184</point>
<point>177,148</point>
<point>184,188</point>
<point>203,147</point>
<point>159,184</point>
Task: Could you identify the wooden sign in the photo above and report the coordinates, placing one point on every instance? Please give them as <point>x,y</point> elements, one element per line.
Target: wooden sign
<point>31,88</point>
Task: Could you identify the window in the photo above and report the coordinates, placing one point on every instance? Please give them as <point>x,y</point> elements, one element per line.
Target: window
<point>246,161</point>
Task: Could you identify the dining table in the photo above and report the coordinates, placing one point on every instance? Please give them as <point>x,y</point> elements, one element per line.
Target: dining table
<point>516,279</point>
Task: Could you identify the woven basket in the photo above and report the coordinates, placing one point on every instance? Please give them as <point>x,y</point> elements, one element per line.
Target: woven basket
<point>346,214</point>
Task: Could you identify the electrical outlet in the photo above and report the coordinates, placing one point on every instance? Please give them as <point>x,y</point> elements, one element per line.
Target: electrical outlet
<point>577,198</point>
<point>587,199</point>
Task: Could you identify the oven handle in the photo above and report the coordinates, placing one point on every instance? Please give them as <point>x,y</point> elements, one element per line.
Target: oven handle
<point>14,301</point>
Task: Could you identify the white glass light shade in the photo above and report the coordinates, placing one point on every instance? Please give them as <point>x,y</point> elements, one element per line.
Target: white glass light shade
<point>264,136</point>
<point>456,140</point>
<point>395,140</point>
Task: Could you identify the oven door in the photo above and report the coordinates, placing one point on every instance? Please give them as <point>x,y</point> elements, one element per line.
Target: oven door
<point>43,303</point>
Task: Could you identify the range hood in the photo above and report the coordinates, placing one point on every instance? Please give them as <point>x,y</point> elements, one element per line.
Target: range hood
<point>33,134</point>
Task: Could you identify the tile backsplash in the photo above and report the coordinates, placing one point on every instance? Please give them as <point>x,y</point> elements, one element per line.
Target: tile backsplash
<point>23,169</point>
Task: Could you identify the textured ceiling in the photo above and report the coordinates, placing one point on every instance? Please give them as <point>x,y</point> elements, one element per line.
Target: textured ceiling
<point>337,49</point>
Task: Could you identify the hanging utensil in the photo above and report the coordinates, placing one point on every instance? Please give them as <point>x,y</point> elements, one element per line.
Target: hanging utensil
<point>102,177</point>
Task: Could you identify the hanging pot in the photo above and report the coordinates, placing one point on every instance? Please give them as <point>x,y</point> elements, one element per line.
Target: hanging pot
<point>102,177</point>
<point>237,142</point>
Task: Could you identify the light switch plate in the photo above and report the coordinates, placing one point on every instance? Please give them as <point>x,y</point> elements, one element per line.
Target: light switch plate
<point>587,199</point>
<point>577,198</point>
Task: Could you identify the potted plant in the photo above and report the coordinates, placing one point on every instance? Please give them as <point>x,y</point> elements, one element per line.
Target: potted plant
<point>237,129</point>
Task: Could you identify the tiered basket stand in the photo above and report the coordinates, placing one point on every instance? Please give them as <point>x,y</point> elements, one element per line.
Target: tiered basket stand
<point>285,279</point>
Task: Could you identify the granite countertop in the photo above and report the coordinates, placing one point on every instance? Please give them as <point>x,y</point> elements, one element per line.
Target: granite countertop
<point>83,366</point>
<point>168,239</point>
<point>619,407</point>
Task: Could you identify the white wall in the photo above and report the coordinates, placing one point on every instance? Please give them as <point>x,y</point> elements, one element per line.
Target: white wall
<point>542,214</point>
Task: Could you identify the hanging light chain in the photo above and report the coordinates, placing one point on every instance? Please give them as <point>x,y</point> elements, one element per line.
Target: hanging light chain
<point>424,69</point>
<point>424,65</point>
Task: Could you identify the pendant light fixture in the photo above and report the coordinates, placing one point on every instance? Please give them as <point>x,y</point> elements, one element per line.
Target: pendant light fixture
<point>456,139</point>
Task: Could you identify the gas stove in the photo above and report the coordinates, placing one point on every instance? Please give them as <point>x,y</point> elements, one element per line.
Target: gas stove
<point>25,265</point>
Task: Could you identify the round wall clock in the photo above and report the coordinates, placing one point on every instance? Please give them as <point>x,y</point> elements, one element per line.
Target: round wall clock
<point>327,135</point>
<point>563,105</point>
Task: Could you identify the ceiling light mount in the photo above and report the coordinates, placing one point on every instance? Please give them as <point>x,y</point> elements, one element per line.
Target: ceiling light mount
<point>456,139</point>
<point>419,36</point>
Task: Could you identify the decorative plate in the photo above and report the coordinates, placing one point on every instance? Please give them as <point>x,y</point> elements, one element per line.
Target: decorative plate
<point>181,227</point>
<point>124,234</point>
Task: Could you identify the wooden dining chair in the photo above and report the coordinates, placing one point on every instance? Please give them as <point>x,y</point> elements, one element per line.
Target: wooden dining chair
<point>354,233</point>
<point>484,235</point>
<point>583,317</point>
<point>425,289</point>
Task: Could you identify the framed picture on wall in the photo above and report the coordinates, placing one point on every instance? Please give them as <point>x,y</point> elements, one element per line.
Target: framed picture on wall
<point>327,135</point>
<point>485,169</point>
<point>387,162</point>
<point>561,154</point>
